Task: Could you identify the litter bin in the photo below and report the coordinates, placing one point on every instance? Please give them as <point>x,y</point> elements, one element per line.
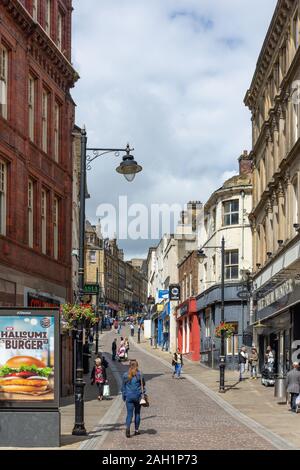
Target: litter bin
<point>280,390</point>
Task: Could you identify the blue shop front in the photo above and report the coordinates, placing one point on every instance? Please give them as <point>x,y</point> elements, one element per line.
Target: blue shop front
<point>236,313</point>
<point>163,327</point>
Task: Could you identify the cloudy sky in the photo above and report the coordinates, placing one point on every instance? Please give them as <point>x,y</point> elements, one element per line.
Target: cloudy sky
<point>169,77</point>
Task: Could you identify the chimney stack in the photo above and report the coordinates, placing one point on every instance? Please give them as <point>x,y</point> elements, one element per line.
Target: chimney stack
<point>245,163</point>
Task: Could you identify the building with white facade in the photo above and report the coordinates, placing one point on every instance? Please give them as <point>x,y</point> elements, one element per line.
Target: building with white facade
<point>225,215</point>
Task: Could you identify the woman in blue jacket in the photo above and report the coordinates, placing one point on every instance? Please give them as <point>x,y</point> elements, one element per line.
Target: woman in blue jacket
<point>133,388</point>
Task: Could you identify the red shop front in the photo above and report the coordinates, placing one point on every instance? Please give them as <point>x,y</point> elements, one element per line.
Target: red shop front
<point>188,329</point>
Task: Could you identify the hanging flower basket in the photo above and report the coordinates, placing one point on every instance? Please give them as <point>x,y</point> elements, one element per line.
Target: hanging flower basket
<point>227,328</point>
<point>72,314</point>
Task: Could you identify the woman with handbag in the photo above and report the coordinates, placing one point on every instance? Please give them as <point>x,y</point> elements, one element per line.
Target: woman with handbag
<point>134,394</point>
<point>98,376</point>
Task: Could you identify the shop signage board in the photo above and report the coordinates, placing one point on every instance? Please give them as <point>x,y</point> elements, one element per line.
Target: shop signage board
<point>92,289</point>
<point>163,294</point>
<point>174,292</point>
<point>29,358</point>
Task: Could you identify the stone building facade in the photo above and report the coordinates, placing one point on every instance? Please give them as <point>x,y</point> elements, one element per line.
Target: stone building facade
<point>225,215</point>
<point>273,99</point>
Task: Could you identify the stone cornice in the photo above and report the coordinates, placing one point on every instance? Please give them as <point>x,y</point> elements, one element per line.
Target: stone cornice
<point>270,45</point>
<point>41,45</point>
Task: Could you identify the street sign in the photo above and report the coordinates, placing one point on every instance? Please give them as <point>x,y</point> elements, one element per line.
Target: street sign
<point>243,294</point>
<point>163,294</point>
<point>174,292</point>
<point>92,289</point>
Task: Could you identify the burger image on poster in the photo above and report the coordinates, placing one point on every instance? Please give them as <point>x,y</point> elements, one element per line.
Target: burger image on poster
<point>25,375</point>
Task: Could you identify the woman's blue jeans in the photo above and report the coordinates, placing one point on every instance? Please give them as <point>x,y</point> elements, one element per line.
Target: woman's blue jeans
<point>133,406</point>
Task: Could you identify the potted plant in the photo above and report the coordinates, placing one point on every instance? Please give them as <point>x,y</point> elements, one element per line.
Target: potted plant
<point>72,314</point>
<point>227,328</point>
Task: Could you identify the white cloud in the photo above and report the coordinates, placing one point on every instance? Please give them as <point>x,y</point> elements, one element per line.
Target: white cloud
<point>169,76</point>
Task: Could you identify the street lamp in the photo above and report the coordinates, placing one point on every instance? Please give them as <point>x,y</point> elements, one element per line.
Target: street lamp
<point>129,168</point>
<point>201,257</point>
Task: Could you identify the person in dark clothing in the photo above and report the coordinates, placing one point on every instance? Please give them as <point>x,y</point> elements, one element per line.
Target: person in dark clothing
<point>98,376</point>
<point>133,388</point>
<point>293,384</point>
<point>114,349</point>
<point>177,362</point>
<point>139,333</point>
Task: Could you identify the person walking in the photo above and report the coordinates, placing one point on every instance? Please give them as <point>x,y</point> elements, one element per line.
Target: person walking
<point>243,356</point>
<point>126,344</point>
<point>116,325</point>
<point>133,388</point>
<point>270,358</point>
<point>253,361</point>
<point>139,333</point>
<point>114,349</point>
<point>132,329</point>
<point>119,328</point>
<point>98,377</point>
<point>177,362</point>
<point>293,385</point>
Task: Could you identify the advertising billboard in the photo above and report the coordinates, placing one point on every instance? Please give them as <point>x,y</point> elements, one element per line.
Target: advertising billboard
<point>29,358</point>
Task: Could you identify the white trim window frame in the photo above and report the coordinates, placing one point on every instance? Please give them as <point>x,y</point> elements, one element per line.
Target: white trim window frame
<point>231,212</point>
<point>3,81</point>
<point>231,265</point>
<point>3,197</point>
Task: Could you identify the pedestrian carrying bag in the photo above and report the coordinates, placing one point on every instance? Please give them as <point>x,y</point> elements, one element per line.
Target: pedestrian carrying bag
<point>144,401</point>
<point>106,391</point>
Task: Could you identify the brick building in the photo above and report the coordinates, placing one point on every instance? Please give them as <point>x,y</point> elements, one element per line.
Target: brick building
<point>188,327</point>
<point>36,123</point>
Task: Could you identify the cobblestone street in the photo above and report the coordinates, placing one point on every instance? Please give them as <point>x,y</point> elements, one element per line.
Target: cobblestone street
<point>179,417</point>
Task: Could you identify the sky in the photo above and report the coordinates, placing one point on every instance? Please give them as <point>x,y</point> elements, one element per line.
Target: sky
<point>169,77</point>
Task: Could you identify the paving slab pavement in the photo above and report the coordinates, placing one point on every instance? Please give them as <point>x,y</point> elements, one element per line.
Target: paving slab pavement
<point>248,397</point>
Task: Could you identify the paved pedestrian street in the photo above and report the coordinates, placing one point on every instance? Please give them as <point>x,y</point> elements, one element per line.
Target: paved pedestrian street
<point>180,416</point>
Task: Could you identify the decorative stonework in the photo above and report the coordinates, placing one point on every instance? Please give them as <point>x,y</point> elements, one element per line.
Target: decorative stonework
<point>57,65</point>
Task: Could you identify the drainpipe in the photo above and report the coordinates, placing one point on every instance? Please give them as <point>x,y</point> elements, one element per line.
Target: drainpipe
<point>243,227</point>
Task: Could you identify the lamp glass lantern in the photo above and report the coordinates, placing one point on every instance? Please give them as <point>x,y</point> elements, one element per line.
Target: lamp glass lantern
<point>129,167</point>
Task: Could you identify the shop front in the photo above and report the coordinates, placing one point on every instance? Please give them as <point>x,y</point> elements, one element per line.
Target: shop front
<point>163,335</point>
<point>188,329</point>
<point>209,313</point>
<point>277,315</point>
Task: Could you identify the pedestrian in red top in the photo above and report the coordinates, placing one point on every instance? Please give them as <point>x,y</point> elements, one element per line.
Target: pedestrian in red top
<point>98,376</point>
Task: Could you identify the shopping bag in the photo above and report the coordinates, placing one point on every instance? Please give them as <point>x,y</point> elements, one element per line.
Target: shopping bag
<point>106,391</point>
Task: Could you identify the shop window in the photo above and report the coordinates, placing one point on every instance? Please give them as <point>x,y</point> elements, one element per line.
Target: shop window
<point>92,256</point>
<point>232,343</point>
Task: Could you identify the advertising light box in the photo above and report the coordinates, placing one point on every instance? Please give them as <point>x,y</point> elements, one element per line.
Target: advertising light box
<point>29,358</point>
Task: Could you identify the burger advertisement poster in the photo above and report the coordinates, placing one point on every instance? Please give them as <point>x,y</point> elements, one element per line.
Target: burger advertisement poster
<point>27,358</point>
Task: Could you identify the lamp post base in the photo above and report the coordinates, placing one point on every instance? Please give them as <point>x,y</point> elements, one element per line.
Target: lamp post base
<point>79,428</point>
<point>222,374</point>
